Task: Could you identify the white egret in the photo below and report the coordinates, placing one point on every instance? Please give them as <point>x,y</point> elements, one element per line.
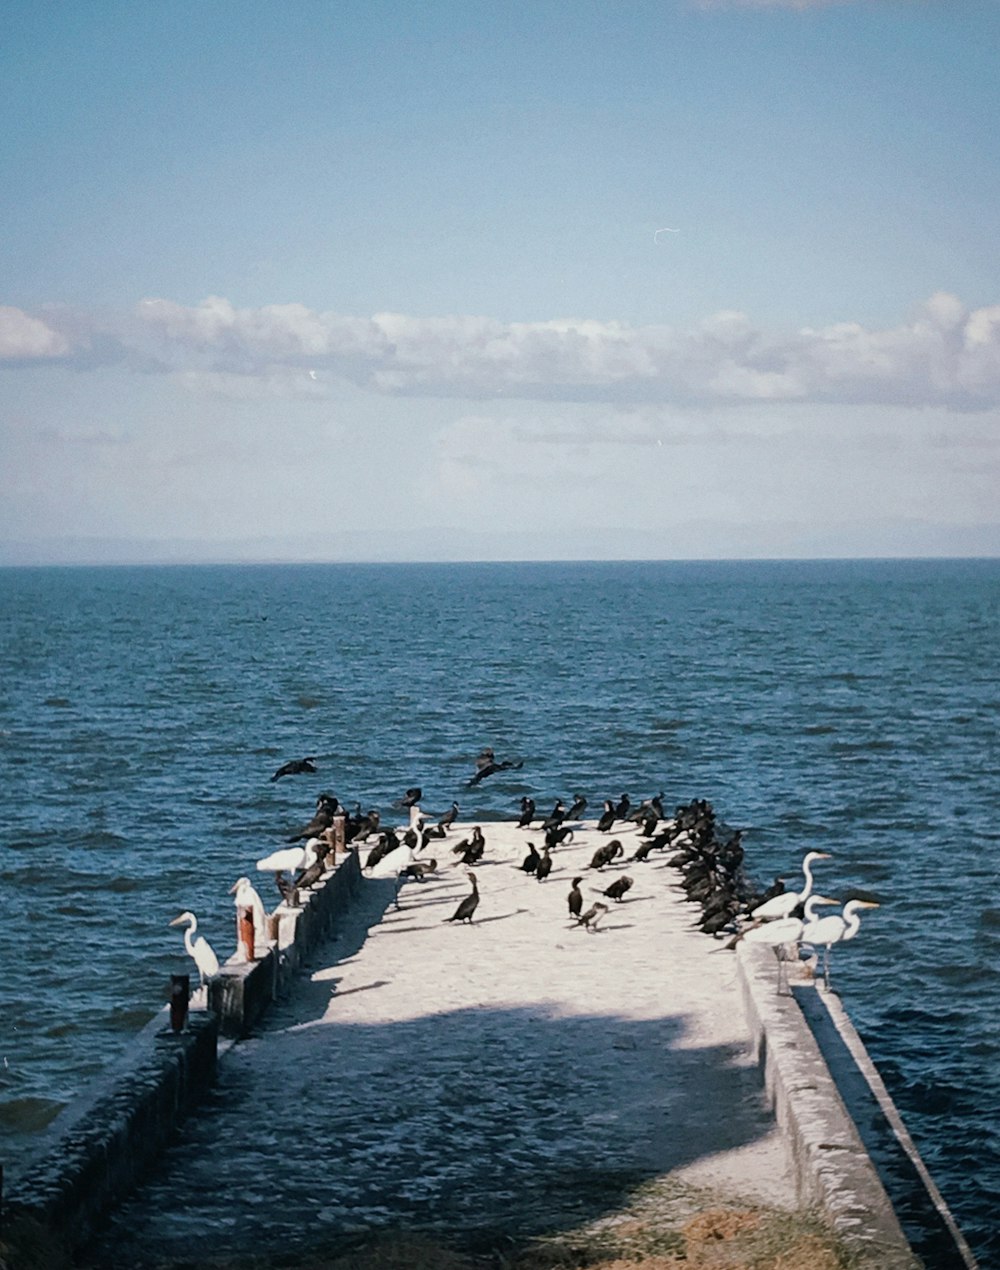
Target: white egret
<point>783,905</point>
<point>247,897</point>
<point>835,929</point>
<point>200,949</point>
<point>781,932</point>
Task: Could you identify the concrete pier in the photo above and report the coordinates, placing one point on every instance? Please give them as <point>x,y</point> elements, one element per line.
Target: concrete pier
<point>385,1067</point>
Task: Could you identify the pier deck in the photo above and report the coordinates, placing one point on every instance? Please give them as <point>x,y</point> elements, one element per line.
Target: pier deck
<point>517,1074</point>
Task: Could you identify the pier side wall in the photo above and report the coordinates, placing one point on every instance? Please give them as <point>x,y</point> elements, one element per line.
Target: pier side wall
<point>100,1145</point>
<point>833,1170</point>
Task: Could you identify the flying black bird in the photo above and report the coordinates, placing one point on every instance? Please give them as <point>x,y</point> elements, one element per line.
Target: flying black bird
<point>486,765</point>
<point>297,767</point>
<point>604,855</point>
<point>527,813</point>
<point>618,888</point>
<point>468,906</point>
<point>575,898</point>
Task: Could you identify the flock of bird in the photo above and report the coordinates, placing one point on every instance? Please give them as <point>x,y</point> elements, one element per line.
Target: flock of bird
<point>708,858</point>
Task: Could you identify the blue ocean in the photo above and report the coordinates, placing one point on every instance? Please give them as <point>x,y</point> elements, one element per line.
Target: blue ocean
<point>846,706</point>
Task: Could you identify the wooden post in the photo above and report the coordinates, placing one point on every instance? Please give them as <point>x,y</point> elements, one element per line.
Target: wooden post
<point>245,931</point>
<point>180,995</point>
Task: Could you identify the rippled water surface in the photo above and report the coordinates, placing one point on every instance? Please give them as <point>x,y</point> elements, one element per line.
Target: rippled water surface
<point>846,706</point>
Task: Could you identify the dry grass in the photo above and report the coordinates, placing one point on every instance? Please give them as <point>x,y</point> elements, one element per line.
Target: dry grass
<point>664,1227</point>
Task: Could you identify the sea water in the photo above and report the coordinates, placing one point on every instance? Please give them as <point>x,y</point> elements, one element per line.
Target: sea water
<point>846,706</point>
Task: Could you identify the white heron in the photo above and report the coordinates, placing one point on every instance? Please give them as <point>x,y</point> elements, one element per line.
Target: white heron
<point>835,929</point>
<point>247,897</point>
<point>200,949</point>
<point>782,931</point>
<point>783,905</point>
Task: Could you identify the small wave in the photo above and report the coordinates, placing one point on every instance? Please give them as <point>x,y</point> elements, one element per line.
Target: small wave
<point>28,1115</point>
<point>668,725</point>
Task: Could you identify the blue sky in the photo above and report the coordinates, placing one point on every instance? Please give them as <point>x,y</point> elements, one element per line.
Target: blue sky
<point>333,280</point>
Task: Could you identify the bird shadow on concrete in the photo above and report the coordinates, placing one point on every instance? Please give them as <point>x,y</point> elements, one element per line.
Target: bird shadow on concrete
<point>482,1123</point>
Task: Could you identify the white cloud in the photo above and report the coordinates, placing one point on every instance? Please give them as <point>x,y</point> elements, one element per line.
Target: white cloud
<point>944,355</point>
<point>25,338</point>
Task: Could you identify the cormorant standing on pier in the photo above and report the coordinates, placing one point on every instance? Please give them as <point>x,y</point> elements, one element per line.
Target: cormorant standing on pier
<point>592,916</point>
<point>608,819</point>
<point>527,812</point>
<point>530,863</point>
<point>544,867</point>
<point>617,889</point>
<point>575,898</point>
<point>468,906</point>
<point>449,817</point>
<point>604,855</point>
<point>578,808</point>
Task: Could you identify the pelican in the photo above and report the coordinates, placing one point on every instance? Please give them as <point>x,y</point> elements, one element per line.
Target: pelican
<point>247,897</point>
<point>835,929</point>
<point>784,905</point>
<point>289,859</point>
<point>200,949</point>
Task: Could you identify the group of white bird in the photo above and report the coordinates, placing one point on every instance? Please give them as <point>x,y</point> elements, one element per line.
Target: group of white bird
<point>198,947</point>
<point>776,926</point>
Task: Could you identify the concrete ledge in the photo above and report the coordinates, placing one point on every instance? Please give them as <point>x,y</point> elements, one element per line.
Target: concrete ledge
<point>833,1169</point>
<point>98,1146</point>
<point>106,1139</point>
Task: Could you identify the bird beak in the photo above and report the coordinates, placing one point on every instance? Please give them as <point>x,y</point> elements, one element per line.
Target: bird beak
<point>870,904</point>
<point>177,921</point>
<point>234,888</point>
<point>822,899</point>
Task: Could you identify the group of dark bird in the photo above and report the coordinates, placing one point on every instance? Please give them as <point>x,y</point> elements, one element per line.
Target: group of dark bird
<point>708,856</point>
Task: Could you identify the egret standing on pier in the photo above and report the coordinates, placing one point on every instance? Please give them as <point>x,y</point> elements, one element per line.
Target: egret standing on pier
<point>200,949</point>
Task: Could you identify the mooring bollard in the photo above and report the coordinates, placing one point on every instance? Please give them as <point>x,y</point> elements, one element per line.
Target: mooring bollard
<point>180,995</point>
<point>245,931</point>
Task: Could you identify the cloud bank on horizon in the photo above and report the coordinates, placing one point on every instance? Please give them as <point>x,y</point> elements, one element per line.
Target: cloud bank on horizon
<point>944,355</point>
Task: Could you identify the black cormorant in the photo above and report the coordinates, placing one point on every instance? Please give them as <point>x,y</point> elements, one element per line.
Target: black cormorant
<point>297,767</point>
<point>468,906</point>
